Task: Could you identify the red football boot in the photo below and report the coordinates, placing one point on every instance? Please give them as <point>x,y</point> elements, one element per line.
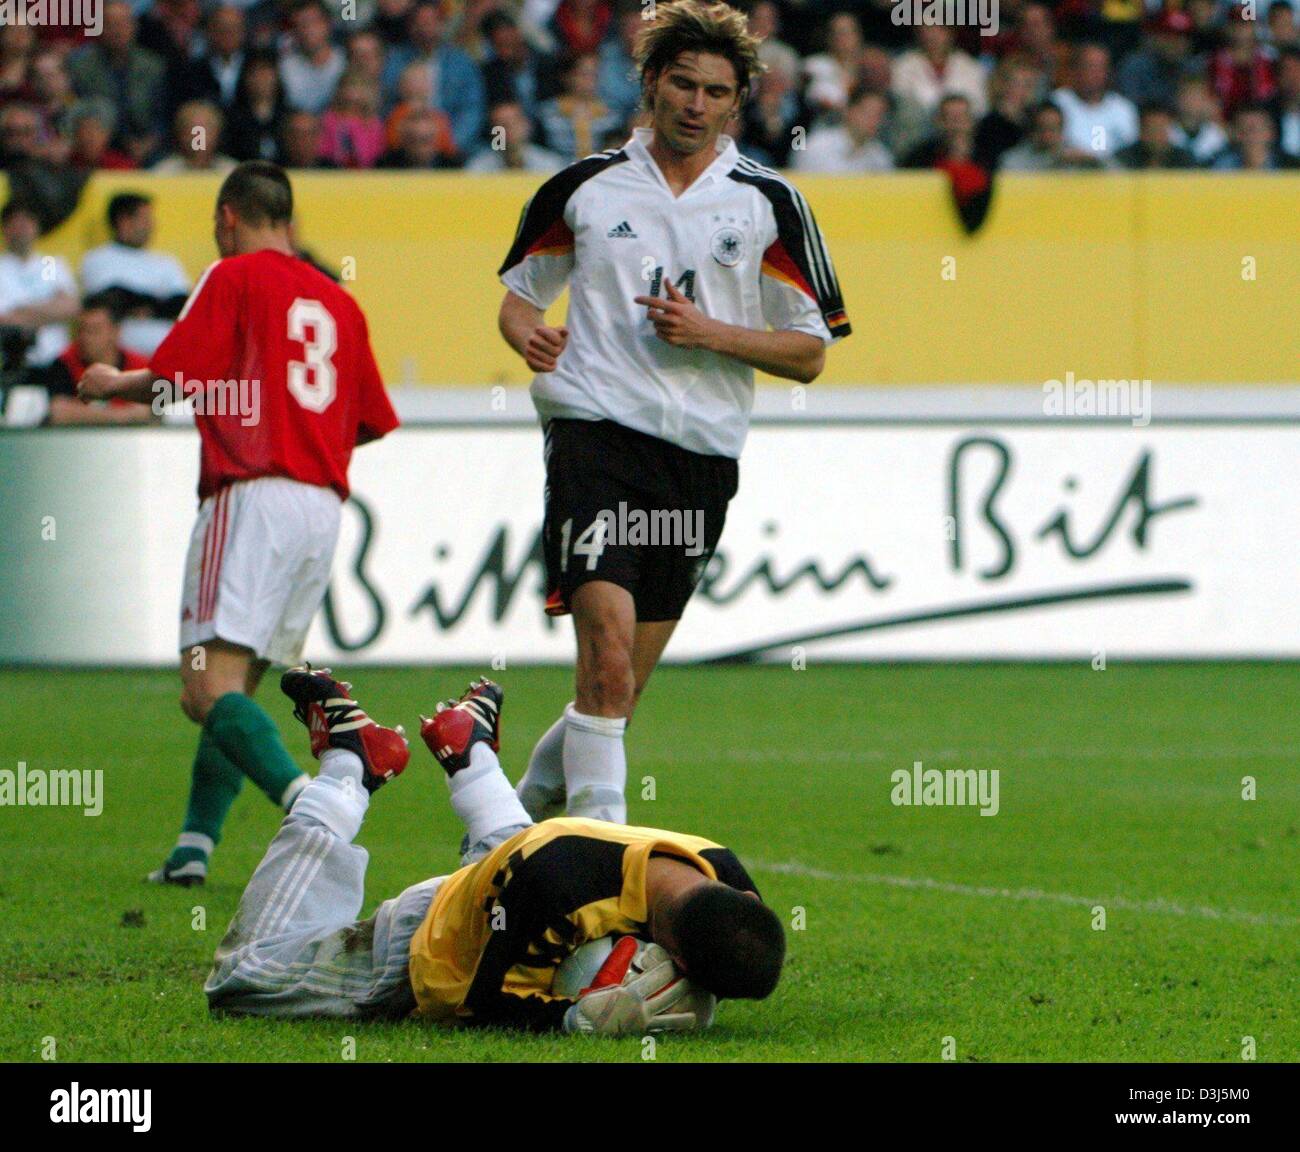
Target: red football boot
<point>460,724</point>
<point>335,720</point>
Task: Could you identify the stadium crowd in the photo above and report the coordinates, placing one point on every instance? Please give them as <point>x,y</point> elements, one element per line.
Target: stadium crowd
<point>181,86</point>
<point>489,85</point>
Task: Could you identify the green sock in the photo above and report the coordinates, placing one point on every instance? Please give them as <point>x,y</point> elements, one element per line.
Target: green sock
<point>249,739</point>
<point>214,784</point>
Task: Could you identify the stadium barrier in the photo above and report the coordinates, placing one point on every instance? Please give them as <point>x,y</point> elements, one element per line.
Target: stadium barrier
<point>1184,278</point>
<point>919,540</point>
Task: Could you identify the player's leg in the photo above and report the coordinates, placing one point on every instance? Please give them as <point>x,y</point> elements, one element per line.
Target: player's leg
<point>648,644</point>
<point>240,610</point>
<point>588,475</point>
<point>595,763</point>
<point>295,947</point>
<point>465,736</point>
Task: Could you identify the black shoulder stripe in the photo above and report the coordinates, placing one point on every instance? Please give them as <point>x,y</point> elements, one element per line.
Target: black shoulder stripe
<point>547,204</point>
<point>801,237</point>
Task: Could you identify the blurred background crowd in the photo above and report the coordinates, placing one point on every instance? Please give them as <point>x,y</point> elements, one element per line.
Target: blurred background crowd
<point>180,85</point>
<point>489,85</point>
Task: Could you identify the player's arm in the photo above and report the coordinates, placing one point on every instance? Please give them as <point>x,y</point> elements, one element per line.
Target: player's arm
<point>535,271</point>
<point>524,327</point>
<point>104,382</point>
<point>788,354</point>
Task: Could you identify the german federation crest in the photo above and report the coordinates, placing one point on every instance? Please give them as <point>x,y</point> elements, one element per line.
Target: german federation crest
<point>728,246</point>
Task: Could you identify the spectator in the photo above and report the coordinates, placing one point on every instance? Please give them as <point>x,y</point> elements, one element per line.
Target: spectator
<point>17,48</point>
<point>1153,147</point>
<point>1097,120</point>
<point>765,23</point>
<point>769,118</point>
<point>169,29</point>
<point>1240,71</point>
<point>1045,150</point>
<point>352,134</point>
<point>455,80</point>
<point>936,68</point>
<point>20,135</point>
<point>197,138</point>
<point>146,287</point>
<point>465,27</point>
<point>1283,28</point>
<point>831,73</point>
<point>133,79</point>
<point>95,341</point>
<point>90,129</point>
<point>423,143</point>
<point>300,142</point>
<point>908,123</point>
<point>1254,143</point>
<point>414,92</point>
<point>620,83</point>
<point>37,292</point>
<point>366,56</point>
<point>580,25</point>
<point>512,148</point>
<point>1036,38</point>
<point>1196,124</point>
<point>575,120</point>
<point>256,117</point>
<point>52,94</point>
<point>311,69</point>
<point>953,138</point>
<point>1151,74</point>
<point>1015,86</point>
<point>515,72</point>
<point>1207,27</point>
<point>215,76</point>
<point>853,146</point>
<point>1285,105</point>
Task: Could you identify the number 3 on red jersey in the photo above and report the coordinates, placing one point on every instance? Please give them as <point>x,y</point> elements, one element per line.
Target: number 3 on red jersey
<point>312,380</point>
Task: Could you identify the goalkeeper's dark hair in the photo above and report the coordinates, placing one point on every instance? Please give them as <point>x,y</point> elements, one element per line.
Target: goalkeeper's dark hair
<point>259,192</point>
<point>730,943</point>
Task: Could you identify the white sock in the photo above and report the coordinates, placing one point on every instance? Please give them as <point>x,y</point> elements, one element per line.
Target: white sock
<point>482,797</point>
<point>541,791</point>
<point>595,767</point>
<point>341,765</point>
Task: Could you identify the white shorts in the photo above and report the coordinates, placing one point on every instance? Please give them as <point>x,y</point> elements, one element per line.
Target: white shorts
<point>258,566</point>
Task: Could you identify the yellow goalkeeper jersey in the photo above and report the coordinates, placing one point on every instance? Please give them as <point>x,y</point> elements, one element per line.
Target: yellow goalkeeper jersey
<point>497,930</point>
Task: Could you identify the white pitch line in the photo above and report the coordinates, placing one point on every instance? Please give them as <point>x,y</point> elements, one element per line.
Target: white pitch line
<point>876,755</point>
<point>925,883</point>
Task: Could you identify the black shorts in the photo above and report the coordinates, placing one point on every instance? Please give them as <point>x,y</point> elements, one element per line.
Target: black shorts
<point>631,509</point>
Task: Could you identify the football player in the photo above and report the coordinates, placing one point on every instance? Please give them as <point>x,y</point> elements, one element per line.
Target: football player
<point>266,327</point>
<point>482,945</point>
<point>688,266</point>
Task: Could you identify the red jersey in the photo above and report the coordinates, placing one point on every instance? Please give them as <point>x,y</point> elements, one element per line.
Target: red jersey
<point>269,328</point>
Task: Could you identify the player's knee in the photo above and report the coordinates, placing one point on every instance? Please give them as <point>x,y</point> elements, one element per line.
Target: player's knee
<point>198,697</point>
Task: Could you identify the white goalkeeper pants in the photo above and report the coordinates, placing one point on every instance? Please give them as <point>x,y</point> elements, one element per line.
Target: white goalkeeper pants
<point>295,946</point>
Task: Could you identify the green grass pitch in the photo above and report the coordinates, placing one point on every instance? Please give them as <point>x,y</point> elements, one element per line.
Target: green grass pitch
<point>1120,787</point>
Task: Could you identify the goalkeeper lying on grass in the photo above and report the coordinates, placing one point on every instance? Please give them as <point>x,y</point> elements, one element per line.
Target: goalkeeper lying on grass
<point>483,945</point>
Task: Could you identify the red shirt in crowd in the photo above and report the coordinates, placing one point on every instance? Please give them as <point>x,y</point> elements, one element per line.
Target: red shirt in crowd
<point>281,357</point>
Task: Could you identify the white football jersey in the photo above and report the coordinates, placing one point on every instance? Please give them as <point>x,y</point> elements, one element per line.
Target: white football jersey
<point>741,242</point>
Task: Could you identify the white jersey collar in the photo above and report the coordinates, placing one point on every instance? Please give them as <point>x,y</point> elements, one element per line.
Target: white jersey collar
<point>638,150</point>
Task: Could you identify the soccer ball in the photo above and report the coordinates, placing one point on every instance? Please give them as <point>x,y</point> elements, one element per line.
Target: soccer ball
<point>579,967</point>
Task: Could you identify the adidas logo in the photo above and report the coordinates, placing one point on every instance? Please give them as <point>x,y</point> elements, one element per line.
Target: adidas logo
<point>621,231</point>
<point>317,722</point>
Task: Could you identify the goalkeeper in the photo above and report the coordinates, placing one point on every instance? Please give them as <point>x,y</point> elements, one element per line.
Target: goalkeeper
<point>482,945</point>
